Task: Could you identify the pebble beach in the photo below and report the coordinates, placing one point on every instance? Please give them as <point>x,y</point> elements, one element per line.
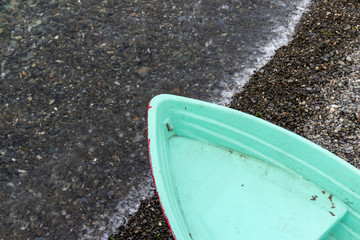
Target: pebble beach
<point>310,87</point>
<point>76,77</point>
<point>75,81</point>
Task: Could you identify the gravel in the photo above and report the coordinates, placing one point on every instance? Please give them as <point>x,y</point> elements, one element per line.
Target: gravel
<point>75,80</point>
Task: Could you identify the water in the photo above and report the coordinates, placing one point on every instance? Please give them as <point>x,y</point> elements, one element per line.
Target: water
<point>75,81</point>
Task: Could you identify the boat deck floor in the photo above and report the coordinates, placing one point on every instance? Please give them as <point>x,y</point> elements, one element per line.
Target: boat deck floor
<point>223,193</point>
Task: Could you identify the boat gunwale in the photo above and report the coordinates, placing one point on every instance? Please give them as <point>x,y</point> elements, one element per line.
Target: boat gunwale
<point>163,103</point>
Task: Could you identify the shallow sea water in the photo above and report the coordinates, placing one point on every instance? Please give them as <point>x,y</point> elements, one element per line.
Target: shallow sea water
<point>76,78</point>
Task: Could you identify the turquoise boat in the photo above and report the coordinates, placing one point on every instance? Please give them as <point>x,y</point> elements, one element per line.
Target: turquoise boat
<point>223,174</point>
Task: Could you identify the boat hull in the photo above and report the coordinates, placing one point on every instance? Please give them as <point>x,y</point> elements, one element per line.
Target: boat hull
<point>222,174</point>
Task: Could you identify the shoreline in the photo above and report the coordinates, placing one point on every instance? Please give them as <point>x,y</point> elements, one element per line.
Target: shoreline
<point>75,80</point>
<point>310,87</point>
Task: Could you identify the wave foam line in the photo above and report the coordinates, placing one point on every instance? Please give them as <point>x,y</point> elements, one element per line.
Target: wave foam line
<point>283,35</point>
<point>125,209</point>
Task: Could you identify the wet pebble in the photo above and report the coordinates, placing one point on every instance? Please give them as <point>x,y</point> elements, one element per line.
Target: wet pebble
<point>143,71</point>
<point>181,18</point>
<point>9,51</point>
<point>108,101</point>
<point>110,193</point>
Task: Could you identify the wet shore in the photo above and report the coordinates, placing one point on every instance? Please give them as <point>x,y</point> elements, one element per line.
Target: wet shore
<point>75,80</point>
<point>310,87</point>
